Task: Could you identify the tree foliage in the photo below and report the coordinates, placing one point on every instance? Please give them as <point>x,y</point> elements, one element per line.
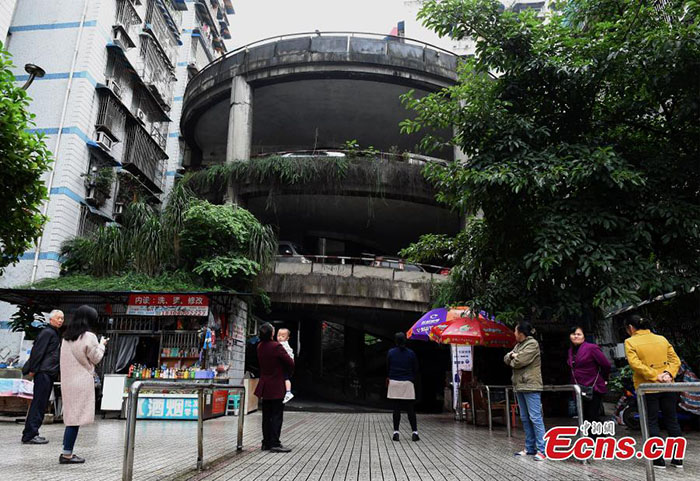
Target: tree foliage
<point>582,133</point>
<point>23,160</point>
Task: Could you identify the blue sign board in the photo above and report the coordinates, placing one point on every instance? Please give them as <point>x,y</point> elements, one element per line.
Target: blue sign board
<point>168,408</point>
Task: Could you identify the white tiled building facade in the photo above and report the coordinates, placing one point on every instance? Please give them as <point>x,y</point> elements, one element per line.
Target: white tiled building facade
<point>129,61</point>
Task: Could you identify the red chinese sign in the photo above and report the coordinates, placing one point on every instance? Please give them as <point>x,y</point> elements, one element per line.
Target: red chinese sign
<point>168,305</point>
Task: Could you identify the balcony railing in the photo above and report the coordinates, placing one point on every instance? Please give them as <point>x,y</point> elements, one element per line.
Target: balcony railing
<point>200,57</point>
<point>155,72</point>
<point>206,37</point>
<point>143,156</point>
<point>111,116</point>
<point>158,24</point>
<point>127,17</point>
<point>173,11</point>
<point>159,133</point>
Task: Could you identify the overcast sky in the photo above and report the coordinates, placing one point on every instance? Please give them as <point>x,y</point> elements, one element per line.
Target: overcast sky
<point>258,19</point>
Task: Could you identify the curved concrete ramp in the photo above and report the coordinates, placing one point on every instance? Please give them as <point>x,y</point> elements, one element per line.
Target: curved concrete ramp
<point>310,91</point>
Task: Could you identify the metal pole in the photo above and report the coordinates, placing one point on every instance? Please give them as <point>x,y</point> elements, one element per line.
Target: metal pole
<point>459,401</point>
<point>579,409</point>
<point>488,402</point>
<point>241,414</point>
<point>641,404</point>
<point>131,413</point>
<point>473,406</point>
<point>200,430</point>
<point>508,428</point>
<point>579,405</point>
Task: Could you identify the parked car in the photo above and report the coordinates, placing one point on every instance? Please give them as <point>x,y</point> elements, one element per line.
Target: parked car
<point>314,153</point>
<point>396,263</point>
<point>291,252</point>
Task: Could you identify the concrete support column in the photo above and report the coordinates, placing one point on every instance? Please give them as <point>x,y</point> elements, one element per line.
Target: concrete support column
<point>240,121</point>
<point>240,128</point>
<point>354,349</point>
<point>311,349</point>
<point>317,334</point>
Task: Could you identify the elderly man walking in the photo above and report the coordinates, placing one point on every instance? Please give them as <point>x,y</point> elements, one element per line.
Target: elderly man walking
<point>43,366</point>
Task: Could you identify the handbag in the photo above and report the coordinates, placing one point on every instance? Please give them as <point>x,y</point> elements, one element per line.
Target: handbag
<point>586,391</point>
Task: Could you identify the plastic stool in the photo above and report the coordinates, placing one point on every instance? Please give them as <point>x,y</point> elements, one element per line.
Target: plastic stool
<point>232,403</point>
<point>514,415</point>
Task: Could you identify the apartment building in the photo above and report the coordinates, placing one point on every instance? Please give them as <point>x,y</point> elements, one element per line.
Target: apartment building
<point>109,104</point>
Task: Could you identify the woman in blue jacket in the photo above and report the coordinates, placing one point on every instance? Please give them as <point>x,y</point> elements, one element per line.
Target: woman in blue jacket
<point>402,366</point>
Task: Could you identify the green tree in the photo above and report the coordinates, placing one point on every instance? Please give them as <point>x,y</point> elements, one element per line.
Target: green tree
<point>225,244</point>
<point>191,242</point>
<point>23,160</point>
<point>582,133</point>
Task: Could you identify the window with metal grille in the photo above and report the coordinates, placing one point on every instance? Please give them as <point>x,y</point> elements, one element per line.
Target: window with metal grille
<point>163,27</point>
<point>151,115</point>
<point>111,115</point>
<point>118,70</point>
<point>127,16</point>
<point>89,222</point>
<point>143,152</point>
<point>155,71</point>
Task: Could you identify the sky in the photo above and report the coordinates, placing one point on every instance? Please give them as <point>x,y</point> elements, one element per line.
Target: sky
<point>258,19</point>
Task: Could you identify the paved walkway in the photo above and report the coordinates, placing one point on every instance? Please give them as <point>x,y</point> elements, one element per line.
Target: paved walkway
<point>327,446</point>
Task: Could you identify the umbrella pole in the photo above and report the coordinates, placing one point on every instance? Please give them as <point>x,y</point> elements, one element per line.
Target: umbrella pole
<point>459,399</point>
<point>473,407</point>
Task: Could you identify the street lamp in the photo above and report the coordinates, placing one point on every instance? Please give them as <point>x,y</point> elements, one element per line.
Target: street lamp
<point>33,71</point>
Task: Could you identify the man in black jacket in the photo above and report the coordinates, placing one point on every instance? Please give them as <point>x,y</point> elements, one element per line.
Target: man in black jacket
<point>43,365</point>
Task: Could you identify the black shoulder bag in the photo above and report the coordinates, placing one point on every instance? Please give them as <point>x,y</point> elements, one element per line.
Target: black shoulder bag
<point>586,391</point>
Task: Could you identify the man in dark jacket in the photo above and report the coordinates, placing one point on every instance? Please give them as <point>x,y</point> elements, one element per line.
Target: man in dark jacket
<point>43,366</point>
<point>274,363</point>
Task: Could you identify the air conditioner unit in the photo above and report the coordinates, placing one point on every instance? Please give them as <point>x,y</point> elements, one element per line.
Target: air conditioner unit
<point>118,208</point>
<point>104,141</point>
<point>114,86</point>
<point>141,115</point>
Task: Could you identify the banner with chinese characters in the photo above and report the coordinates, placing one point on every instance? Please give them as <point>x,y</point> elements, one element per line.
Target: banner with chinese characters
<point>168,305</point>
<point>462,360</point>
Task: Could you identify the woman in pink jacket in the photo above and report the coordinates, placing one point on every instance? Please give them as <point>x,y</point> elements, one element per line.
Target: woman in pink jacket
<point>80,351</point>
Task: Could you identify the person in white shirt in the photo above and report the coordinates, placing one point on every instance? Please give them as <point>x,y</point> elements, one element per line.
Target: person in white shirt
<point>283,338</point>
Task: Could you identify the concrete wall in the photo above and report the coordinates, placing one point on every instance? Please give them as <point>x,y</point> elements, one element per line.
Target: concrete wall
<point>351,286</point>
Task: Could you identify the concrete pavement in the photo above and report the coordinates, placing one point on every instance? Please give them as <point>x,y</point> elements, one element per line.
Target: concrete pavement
<point>326,446</point>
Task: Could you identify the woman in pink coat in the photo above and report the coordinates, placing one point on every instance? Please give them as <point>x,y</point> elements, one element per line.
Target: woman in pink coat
<point>80,351</point>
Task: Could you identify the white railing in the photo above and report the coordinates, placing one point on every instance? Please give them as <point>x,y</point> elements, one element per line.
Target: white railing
<point>408,157</point>
<point>376,262</point>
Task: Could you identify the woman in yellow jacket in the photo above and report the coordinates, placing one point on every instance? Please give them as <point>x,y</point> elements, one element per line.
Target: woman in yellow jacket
<point>653,359</point>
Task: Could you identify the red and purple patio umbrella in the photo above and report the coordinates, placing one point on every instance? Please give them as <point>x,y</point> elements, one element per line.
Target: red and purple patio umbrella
<point>464,327</point>
<point>421,328</point>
